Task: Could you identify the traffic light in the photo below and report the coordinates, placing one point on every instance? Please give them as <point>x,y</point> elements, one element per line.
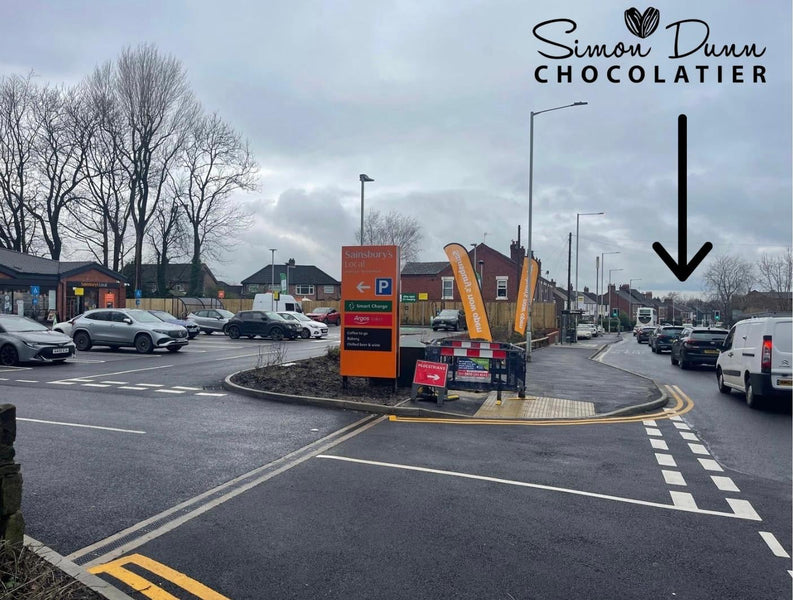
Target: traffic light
<point>615,312</point>
<point>716,315</point>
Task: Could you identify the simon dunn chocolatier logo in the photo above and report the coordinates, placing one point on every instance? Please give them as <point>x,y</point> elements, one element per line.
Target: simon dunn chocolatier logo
<point>649,55</point>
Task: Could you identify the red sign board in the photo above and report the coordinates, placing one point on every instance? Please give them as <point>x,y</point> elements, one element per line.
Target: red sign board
<point>430,373</point>
<point>370,304</point>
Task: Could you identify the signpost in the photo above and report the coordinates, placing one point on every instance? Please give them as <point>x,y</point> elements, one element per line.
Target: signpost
<point>138,294</point>
<point>370,311</point>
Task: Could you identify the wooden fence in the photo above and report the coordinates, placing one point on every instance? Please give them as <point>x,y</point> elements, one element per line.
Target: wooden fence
<point>501,315</point>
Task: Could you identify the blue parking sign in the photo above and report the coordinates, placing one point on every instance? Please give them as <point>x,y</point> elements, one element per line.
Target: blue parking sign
<point>383,286</point>
<point>35,290</point>
<point>138,293</point>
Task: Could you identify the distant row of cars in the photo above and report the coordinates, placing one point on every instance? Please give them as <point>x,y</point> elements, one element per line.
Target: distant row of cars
<point>753,357</point>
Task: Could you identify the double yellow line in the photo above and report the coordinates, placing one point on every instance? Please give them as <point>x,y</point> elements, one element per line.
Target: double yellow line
<point>683,404</point>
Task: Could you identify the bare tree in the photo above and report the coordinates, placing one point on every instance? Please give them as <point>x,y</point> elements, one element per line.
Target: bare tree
<point>18,132</point>
<point>394,229</point>
<point>217,163</point>
<point>167,237</point>
<point>775,274</point>
<point>726,277</point>
<point>156,108</point>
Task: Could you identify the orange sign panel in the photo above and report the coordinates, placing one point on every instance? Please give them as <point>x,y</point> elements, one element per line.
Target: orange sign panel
<point>370,305</point>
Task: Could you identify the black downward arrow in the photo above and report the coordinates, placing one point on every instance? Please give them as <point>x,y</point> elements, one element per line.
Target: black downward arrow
<point>682,269</point>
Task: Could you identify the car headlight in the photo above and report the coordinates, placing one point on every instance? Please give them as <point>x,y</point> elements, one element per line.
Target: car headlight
<point>162,331</point>
<point>33,344</point>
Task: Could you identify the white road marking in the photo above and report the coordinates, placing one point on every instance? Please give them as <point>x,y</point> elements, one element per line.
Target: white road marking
<point>542,487</point>
<point>153,385</point>
<point>89,377</point>
<point>676,418</point>
<point>673,477</point>
<point>655,432</point>
<point>725,484</point>
<point>81,425</point>
<point>12,369</point>
<point>683,499</point>
<point>131,387</point>
<point>659,444</point>
<point>743,508</point>
<point>170,391</point>
<point>27,380</point>
<point>699,449</point>
<point>208,394</point>
<point>182,387</point>
<point>116,382</point>
<point>3,378</point>
<point>682,426</point>
<point>649,423</point>
<point>687,435</point>
<point>709,464</point>
<point>63,382</point>
<point>665,460</point>
<point>101,385</point>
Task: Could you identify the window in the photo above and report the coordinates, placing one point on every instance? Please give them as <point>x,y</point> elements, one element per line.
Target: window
<point>329,289</point>
<point>447,289</point>
<point>253,287</point>
<point>304,289</point>
<point>501,288</point>
<point>178,287</point>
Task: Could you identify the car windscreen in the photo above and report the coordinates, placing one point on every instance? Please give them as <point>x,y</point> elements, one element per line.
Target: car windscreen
<point>143,316</point>
<point>226,314</point>
<point>161,314</point>
<point>709,336</point>
<point>321,311</point>
<point>448,313</point>
<point>671,330</point>
<point>18,324</point>
<point>289,317</point>
<point>274,316</point>
<point>782,338</point>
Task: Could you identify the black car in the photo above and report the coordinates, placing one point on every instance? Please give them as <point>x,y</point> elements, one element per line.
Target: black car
<point>449,318</point>
<point>697,346</point>
<point>264,323</point>
<point>663,336</point>
<point>643,335</point>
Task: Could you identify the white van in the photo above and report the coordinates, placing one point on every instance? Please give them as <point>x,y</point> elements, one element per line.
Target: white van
<point>756,359</point>
<point>284,302</point>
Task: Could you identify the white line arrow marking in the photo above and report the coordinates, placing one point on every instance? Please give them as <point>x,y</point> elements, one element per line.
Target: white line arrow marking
<point>361,287</point>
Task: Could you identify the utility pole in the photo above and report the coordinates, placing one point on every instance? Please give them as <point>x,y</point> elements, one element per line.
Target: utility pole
<point>569,259</point>
<point>597,297</point>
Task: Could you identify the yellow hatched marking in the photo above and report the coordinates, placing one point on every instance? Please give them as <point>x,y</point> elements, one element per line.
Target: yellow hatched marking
<point>147,588</point>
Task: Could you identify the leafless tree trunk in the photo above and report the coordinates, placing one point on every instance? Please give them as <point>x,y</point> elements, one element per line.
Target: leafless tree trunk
<point>393,229</point>
<point>167,237</point>
<point>17,184</point>
<point>726,277</point>
<point>776,273</point>
<point>217,164</point>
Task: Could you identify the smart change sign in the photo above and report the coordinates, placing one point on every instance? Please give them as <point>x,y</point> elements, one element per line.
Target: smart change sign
<point>370,311</point>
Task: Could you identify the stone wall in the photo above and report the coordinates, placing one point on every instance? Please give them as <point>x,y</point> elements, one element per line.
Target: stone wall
<point>12,525</point>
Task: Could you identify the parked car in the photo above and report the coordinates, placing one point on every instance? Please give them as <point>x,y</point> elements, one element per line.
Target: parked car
<point>325,314</point>
<point>643,335</point>
<point>583,332</point>
<point>697,346</point>
<point>126,327</point>
<point>756,360</point>
<point>593,328</point>
<point>264,323</point>
<point>662,337</point>
<point>65,327</point>
<point>192,327</point>
<point>25,340</point>
<point>210,320</point>
<point>309,327</point>
<point>449,318</point>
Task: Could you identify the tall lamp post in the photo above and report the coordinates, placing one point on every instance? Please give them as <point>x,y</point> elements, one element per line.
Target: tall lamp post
<point>630,291</point>
<point>474,245</point>
<point>364,178</point>
<point>528,245</point>
<point>577,215</point>
<point>602,276</point>
<point>610,272</point>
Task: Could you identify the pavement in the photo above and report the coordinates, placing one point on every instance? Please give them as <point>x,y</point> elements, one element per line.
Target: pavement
<point>564,382</point>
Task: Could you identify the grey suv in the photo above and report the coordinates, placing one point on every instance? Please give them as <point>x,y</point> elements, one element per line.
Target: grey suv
<point>449,318</point>
<point>117,327</point>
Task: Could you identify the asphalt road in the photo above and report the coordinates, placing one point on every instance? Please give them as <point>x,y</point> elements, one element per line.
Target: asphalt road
<point>228,495</point>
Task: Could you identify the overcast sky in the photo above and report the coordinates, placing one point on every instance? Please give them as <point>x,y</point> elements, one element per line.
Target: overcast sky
<point>433,101</point>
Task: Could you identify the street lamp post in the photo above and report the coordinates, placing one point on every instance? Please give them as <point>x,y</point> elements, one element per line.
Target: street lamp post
<point>364,178</point>
<point>610,272</point>
<point>577,215</point>
<point>602,276</point>
<point>630,292</point>
<point>528,246</point>
<point>272,277</point>
<point>474,245</point>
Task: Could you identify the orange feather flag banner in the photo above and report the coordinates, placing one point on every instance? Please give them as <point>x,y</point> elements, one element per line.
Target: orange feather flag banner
<point>525,294</point>
<point>470,294</point>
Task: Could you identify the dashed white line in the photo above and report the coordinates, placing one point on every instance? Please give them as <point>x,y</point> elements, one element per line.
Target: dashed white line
<point>80,425</point>
<point>683,500</point>
<point>170,391</point>
<point>208,394</point>
<point>676,418</point>
<point>659,444</point>
<point>665,460</point>
<point>682,426</point>
<point>725,484</point>
<point>190,389</point>
<point>699,449</point>
<point>64,382</point>
<point>673,477</point>
<point>709,464</point>
<point>743,508</point>
<point>116,382</point>
<point>101,385</point>
<point>655,432</point>
<point>131,387</point>
<point>27,380</point>
<point>153,385</point>
<point>687,435</point>
<point>649,423</point>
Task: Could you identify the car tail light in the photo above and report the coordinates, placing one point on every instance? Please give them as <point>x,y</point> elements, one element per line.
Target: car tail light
<point>765,356</point>
<point>688,343</point>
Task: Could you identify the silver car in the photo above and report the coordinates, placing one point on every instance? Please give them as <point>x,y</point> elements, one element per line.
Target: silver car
<point>25,340</point>
<point>211,320</point>
<point>309,327</point>
<point>117,327</point>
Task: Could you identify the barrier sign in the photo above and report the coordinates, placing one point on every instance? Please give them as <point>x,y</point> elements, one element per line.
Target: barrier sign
<point>430,373</point>
<point>370,320</point>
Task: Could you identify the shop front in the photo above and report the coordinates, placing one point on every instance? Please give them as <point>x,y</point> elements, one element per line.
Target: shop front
<point>91,290</point>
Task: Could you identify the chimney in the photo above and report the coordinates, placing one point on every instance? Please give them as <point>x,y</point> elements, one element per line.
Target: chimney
<point>648,295</point>
<point>517,252</point>
<point>586,289</point>
<point>625,287</point>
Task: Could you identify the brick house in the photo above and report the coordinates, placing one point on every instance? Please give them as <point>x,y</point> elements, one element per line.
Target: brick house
<point>177,279</point>
<point>302,281</point>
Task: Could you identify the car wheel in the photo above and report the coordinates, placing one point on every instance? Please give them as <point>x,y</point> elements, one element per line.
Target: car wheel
<point>143,344</point>
<point>277,334</point>
<point>720,382</point>
<point>684,364</point>
<point>234,332</point>
<point>435,329</point>
<point>454,328</point>
<point>752,399</point>
<point>82,340</point>
<point>305,334</point>
<point>250,337</point>
<point>672,358</point>
<point>191,336</point>
<point>8,356</point>
<point>174,348</point>
<point>208,331</point>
